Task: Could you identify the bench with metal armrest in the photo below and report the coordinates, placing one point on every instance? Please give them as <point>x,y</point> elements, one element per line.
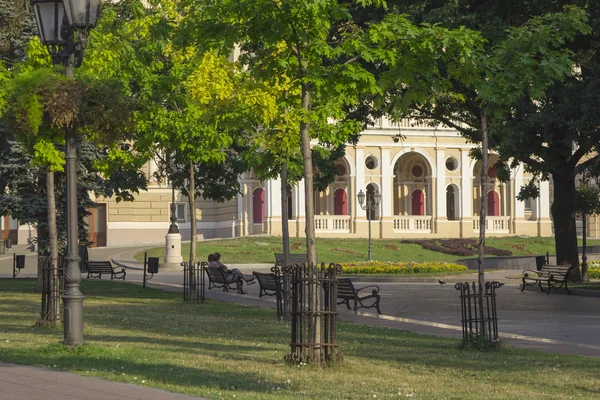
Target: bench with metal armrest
<point>95,269</point>
<point>555,276</point>
<point>348,293</point>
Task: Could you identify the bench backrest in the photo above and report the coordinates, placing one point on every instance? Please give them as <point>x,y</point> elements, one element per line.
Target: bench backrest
<point>560,272</point>
<point>215,274</point>
<point>99,266</point>
<point>294,258</point>
<point>267,281</point>
<point>345,288</point>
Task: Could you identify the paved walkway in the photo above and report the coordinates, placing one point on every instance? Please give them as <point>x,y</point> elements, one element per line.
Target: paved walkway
<point>530,319</point>
<point>19,382</point>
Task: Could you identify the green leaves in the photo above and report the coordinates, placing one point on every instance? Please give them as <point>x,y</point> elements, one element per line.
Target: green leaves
<point>532,57</point>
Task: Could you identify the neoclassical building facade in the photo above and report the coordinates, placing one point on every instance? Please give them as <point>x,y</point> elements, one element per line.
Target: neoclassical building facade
<point>429,187</point>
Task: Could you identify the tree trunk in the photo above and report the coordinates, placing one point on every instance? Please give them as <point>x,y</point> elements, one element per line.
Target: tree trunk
<point>42,238</point>
<point>54,284</point>
<point>313,290</point>
<point>311,249</point>
<point>285,234</point>
<point>482,218</point>
<point>563,214</point>
<point>193,231</point>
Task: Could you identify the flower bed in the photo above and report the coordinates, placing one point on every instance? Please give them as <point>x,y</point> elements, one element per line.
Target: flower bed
<point>594,269</point>
<point>457,247</point>
<point>380,267</point>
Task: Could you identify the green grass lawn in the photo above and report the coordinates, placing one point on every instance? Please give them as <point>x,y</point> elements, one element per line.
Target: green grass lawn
<point>227,351</point>
<point>260,249</point>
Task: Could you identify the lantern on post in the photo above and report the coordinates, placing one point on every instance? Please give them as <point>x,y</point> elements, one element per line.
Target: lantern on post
<point>63,26</point>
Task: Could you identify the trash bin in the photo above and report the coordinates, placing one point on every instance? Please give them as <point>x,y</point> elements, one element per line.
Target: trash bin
<point>83,255</point>
<point>8,243</point>
<point>540,261</point>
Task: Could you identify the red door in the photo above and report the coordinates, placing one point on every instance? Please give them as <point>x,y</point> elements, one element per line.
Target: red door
<point>340,204</point>
<point>418,202</point>
<point>493,204</point>
<point>258,206</point>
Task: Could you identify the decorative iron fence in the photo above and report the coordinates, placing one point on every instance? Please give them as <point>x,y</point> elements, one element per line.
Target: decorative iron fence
<point>53,287</point>
<point>193,282</point>
<point>282,278</point>
<point>314,313</point>
<point>479,321</point>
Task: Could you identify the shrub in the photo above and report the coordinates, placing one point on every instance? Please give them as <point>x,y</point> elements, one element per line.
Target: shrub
<point>380,267</point>
<point>594,270</point>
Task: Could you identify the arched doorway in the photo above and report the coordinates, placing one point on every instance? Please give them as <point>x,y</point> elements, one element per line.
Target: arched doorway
<point>418,202</point>
<point>340,202</point>
<point>373,212</point>
<point>258,206</point>
<point>450,201</point>
<point>290,207</point>
<point>493,204</point>
<point>412,173</point>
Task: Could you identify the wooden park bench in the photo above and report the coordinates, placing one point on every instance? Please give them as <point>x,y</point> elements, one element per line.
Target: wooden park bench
<point>95,269</point>
<point>294,259</point>
<point>555,276</point>
<point>218,279</point>
<point>269,283</point>
<point>347,293</point>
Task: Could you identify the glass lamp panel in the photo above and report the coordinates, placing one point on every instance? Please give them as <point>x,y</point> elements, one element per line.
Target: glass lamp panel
<point>377,198</point>
<point>82,14</point>
<point>361,198</point>
<point>49,16</point>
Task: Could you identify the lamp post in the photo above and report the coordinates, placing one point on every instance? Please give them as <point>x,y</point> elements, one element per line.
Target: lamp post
<point>370,205</point>
<point>173,237</point>
<point>63,26</point>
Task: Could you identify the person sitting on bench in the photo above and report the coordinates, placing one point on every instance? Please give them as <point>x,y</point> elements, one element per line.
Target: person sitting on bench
<point>236,274</point>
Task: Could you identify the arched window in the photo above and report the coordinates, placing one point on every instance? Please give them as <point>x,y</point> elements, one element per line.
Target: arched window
<point>493,204</point>
<point>450,211</point>
<point>371,213</point>
<point>258,206</point>
<point>340,202</point>
<point>418,202</point>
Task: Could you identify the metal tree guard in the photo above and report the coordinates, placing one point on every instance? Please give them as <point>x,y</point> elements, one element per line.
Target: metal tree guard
<point>471,314</point>
<point>314,313</point>
<point>194,289</point>
<point>52,289</point>
<point>281,275</point>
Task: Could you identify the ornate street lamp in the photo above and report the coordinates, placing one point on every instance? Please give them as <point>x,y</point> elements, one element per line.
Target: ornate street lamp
<point>371,205</point>
<point>63,26</point>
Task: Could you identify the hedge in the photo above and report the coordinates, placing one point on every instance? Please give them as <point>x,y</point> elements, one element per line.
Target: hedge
<point>380,267</point>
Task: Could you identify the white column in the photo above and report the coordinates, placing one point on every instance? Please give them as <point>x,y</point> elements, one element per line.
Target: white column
<point>300,204</point>
<point>428,196</point>
<point>466,185</point>
<point>544,200</point>
<point>360,181</point>
<point>273,197</point>
<point>441,185</point>
<point>519,206</point>
<point>387,193</point>
<point>152,168</point>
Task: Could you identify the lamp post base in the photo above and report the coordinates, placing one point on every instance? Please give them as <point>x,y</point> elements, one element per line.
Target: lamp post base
<point>173,248</point>
<point>73,316</point>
